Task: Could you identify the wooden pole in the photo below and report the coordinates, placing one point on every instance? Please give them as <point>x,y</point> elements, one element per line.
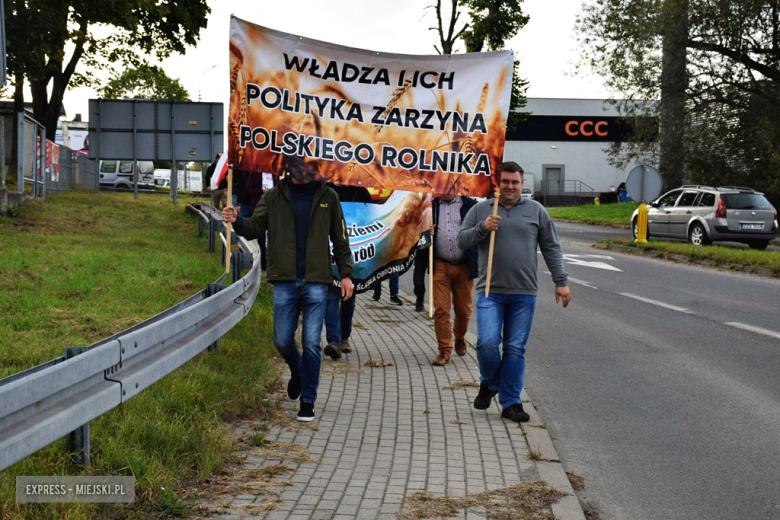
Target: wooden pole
<point>229,246</point>
<point>430,276</point>
<point>490,251</point>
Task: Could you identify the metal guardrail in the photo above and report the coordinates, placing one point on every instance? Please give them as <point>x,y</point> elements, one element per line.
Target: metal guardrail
<point>60,397</point>
<point>576,188</point>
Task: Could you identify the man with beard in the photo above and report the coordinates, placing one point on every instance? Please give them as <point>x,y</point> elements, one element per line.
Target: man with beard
<point>520,227</point>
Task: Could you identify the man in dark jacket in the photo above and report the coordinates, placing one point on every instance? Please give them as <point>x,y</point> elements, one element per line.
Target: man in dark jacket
<point>454,271</point>
<point>300,216</point>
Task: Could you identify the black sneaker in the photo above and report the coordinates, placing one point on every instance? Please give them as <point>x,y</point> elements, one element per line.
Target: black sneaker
<point>396,300</point>
<point>419,307</point>
<point>294,387</point>
<point>515,413</point>
<point>306,414</point>
<point>485,397</point>
<point>333,351</point>
<point>376,296</point>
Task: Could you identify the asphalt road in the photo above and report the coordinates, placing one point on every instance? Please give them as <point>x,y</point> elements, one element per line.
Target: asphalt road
<point>584,233</point>
<point>659,385</point>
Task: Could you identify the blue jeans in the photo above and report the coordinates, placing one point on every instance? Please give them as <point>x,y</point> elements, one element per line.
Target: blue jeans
<point>514,313</point>
<point>246,210</point>
<point>338,316</point>
<point>290,298</point>
<point>394,286</point>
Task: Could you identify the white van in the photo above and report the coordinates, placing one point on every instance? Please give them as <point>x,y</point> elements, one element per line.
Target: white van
<point>119,174</point>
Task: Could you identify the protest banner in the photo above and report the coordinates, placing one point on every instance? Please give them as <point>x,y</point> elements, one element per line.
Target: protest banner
<point>364,118</point>
<point>384,238</point>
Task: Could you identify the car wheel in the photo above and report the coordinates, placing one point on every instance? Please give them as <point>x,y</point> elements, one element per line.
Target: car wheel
<point>697,235</point>
<point>635,229</point>
<point>759,245</point>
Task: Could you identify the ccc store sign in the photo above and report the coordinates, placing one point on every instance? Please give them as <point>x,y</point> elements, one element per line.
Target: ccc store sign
<point>587,128</point>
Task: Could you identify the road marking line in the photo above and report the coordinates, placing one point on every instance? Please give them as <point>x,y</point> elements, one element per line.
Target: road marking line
<point>656,302</point>
<point>751,328</point>
<point>578,281</point>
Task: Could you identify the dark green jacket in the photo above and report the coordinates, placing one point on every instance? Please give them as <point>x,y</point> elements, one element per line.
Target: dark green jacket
<point>275,214</point>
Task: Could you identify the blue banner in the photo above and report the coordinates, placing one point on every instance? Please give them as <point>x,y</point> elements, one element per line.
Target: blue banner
<point>384,238</point>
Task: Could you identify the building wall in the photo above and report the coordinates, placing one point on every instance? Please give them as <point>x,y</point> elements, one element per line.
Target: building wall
<point>585,162</point>
<point>551,136</point>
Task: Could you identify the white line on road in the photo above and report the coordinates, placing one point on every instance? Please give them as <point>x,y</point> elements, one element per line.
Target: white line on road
<point>579,282</point>
<point>656,302</point>
<point>751,328</point>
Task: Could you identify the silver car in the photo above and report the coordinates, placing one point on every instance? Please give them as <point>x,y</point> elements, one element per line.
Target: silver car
<point>703,214</point>
<point>527,194</point>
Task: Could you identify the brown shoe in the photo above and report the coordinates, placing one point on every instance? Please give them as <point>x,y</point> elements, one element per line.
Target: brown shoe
<point>460,347</point>
<point>442,359</point>
<point>345,347</point>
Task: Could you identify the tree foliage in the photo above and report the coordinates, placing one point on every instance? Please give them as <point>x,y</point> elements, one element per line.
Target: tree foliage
<point>38,32</point>
<point>731,83</point>
<point>144,82</point>
<point>491,23</point>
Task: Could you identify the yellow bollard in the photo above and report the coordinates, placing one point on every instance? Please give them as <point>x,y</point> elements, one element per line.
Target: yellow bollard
<point>597,201</point>
<point>641,224</point>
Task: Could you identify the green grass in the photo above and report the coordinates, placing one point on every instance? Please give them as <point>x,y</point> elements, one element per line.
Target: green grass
<point>80,267</point>
<point>715,253</point>
<point>618,214</point>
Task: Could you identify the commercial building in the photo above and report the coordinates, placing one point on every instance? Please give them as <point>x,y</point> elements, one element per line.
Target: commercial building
<point>564,145</point>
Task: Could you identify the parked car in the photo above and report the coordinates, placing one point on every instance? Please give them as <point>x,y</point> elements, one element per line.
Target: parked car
<point>704,214</point>
<point>119,174</point>
<point>527,194</point>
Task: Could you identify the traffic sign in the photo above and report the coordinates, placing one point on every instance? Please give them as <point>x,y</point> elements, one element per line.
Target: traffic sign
<point>644,183</point>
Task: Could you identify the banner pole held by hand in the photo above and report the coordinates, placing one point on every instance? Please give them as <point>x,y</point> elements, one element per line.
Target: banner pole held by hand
<point>490,251</point>
<point>228,246</point>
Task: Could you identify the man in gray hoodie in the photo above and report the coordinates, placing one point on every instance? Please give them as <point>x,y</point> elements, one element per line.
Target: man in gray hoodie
<point>520,226</point>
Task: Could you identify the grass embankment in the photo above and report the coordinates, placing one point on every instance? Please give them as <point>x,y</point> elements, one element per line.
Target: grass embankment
<point>618,215</point>
<point>737,258</point>
<point>80,267</point>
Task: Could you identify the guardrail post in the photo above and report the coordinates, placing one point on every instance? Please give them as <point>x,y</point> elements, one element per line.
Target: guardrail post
<point>201,226</point>
<point>212,233</point>
<point>77,441</point>
<point>211,290</point>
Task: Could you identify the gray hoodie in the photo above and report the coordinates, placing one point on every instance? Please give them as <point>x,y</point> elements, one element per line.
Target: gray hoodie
<point>522,228</point>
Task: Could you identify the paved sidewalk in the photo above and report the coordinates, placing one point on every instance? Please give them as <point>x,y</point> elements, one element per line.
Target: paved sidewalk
<point>384,433</point>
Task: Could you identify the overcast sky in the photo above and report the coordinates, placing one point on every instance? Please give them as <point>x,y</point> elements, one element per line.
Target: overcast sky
<point>546,47</point>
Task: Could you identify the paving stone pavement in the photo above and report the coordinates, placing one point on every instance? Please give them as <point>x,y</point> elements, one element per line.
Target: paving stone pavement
<point>385,433</point>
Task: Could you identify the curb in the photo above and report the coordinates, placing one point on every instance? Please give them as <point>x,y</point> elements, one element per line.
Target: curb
<point>593,223</point>
<point>682,259</point>
<point>549,463</point>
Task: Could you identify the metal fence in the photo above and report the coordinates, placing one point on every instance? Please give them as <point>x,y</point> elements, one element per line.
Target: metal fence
<point>566,187</point>
<point>60,397</point>
<point>49,167</point>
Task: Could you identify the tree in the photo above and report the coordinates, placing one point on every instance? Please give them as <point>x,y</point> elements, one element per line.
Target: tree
<point>492,23</point>
<point>731,69</point>
<point>145,82</point>
<point>38,32</point>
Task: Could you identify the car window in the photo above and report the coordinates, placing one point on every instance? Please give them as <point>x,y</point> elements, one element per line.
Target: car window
<point>125,167</point>
<point>146,166</point>
<point>688,198</point>
<point>669,199</point>
<point>526,190</point>
<point>108,166</point>
<point>706,200</point>
<point>745,201</point>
